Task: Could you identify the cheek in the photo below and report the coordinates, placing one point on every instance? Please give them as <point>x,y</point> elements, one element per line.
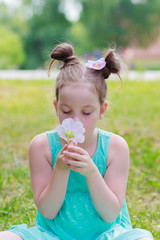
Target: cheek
<point>90,122</point>
<point>61,117</point>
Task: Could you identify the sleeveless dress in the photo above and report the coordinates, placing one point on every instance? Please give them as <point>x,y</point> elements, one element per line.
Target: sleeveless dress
<point>77,219</point>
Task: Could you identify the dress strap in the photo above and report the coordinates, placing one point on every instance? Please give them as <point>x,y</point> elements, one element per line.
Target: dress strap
<point>55,144</point>
<point>100,156</point>
<point>104,141</point>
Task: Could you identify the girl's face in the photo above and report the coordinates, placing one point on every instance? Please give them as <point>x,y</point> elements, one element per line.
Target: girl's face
<point>80,102</point>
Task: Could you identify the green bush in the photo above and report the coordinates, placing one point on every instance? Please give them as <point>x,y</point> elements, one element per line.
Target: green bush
<point>11,49</point>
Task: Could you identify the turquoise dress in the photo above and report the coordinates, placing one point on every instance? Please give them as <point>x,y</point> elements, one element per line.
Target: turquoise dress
<point>77,219</point>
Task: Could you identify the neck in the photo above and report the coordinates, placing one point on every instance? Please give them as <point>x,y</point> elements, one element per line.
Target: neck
<point>90,142</point>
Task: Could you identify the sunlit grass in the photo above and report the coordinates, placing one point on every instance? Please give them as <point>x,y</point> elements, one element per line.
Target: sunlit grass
<point>26,110</point>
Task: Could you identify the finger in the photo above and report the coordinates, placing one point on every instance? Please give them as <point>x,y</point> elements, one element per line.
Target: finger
<point>73,155</point>
<point>76,149</point>
<point>60,154</point>
<point>75,163</point>
<point>72,142</point>
<point>63,149</point>
<point>75,169</point>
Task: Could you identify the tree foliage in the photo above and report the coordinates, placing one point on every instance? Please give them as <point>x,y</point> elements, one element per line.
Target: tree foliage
<point>121,21</point>
<point>11,49</point>
<point>46,28</point>
<point>41,24</point>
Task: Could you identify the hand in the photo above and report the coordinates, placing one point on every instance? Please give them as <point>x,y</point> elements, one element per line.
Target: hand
<point>60,156</point>
<point>78,160</point>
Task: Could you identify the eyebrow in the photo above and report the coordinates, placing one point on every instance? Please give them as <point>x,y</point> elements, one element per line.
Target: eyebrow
<point>85,106</point>
<point>63,104</point>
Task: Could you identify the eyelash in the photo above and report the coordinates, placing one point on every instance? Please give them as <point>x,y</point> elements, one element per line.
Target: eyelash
<point>66,112</point>
<point>70,112</point>
<point>87,113</point>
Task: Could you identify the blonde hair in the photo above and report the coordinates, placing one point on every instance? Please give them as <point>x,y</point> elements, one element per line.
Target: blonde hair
<point>73,71</point>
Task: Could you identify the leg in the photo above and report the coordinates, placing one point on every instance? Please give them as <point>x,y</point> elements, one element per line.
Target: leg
<point>7,235</point>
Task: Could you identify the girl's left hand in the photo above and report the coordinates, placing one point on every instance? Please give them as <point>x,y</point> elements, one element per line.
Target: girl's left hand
<point>78,160</point>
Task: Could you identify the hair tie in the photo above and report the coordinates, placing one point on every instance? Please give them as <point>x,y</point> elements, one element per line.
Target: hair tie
<point>97,65</point>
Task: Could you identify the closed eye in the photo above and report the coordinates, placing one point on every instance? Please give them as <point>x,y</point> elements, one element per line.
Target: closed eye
<point>66,112</point>
<point>86,113</point>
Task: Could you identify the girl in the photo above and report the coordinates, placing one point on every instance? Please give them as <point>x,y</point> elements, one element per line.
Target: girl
<point>80,190</point>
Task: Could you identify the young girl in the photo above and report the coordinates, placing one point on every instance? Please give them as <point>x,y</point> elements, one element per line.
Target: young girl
<point>79,190</point>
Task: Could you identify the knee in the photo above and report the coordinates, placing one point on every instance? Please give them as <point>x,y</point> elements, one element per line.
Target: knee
<point>9,236</point>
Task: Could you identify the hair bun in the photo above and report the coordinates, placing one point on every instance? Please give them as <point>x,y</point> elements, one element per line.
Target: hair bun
<point>64,52</point>
<point>113,63</point>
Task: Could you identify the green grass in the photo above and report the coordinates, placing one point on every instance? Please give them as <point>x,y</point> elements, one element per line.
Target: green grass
<point>26,109</point>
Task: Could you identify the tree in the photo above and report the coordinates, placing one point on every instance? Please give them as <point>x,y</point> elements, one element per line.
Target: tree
<point>11,49</point>
<point>43,24</point>
<point>121,21</point>
<point>47,27</point>
<point>138,21</point>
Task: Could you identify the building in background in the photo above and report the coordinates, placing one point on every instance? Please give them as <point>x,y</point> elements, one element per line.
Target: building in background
<point>143,58</point>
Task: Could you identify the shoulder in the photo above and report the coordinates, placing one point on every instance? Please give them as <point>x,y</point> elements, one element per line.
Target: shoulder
<point>115,141</point>
<point>118,143</point>
<point>40,145</point>
<point>39,141</point>
<point>118,149</point>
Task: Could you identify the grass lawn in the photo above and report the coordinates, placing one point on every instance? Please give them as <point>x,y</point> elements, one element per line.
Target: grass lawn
<point>26,110</point>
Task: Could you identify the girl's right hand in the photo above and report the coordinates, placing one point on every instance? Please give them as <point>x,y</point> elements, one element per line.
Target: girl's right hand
<point>61,158</point>
<point>59,161</point>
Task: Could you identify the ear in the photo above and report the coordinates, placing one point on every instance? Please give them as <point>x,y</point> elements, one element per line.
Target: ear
<point>55,105</point>
<point>103,110</point>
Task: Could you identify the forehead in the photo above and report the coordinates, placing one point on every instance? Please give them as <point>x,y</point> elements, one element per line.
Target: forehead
<point>78,93</point>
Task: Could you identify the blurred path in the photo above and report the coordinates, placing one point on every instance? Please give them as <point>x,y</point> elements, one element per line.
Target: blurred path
<point>42,74</point>
<point>146,75</point>
<point>26,74</point>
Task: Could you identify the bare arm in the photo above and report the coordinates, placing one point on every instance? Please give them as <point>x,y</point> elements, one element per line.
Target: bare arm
<point>49,186</point>
<point>107,193</point>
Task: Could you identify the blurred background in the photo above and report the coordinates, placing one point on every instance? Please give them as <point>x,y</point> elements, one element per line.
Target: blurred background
<point>29,29</point>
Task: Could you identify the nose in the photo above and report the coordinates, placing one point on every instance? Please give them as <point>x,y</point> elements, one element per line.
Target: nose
<point>76,117</point>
